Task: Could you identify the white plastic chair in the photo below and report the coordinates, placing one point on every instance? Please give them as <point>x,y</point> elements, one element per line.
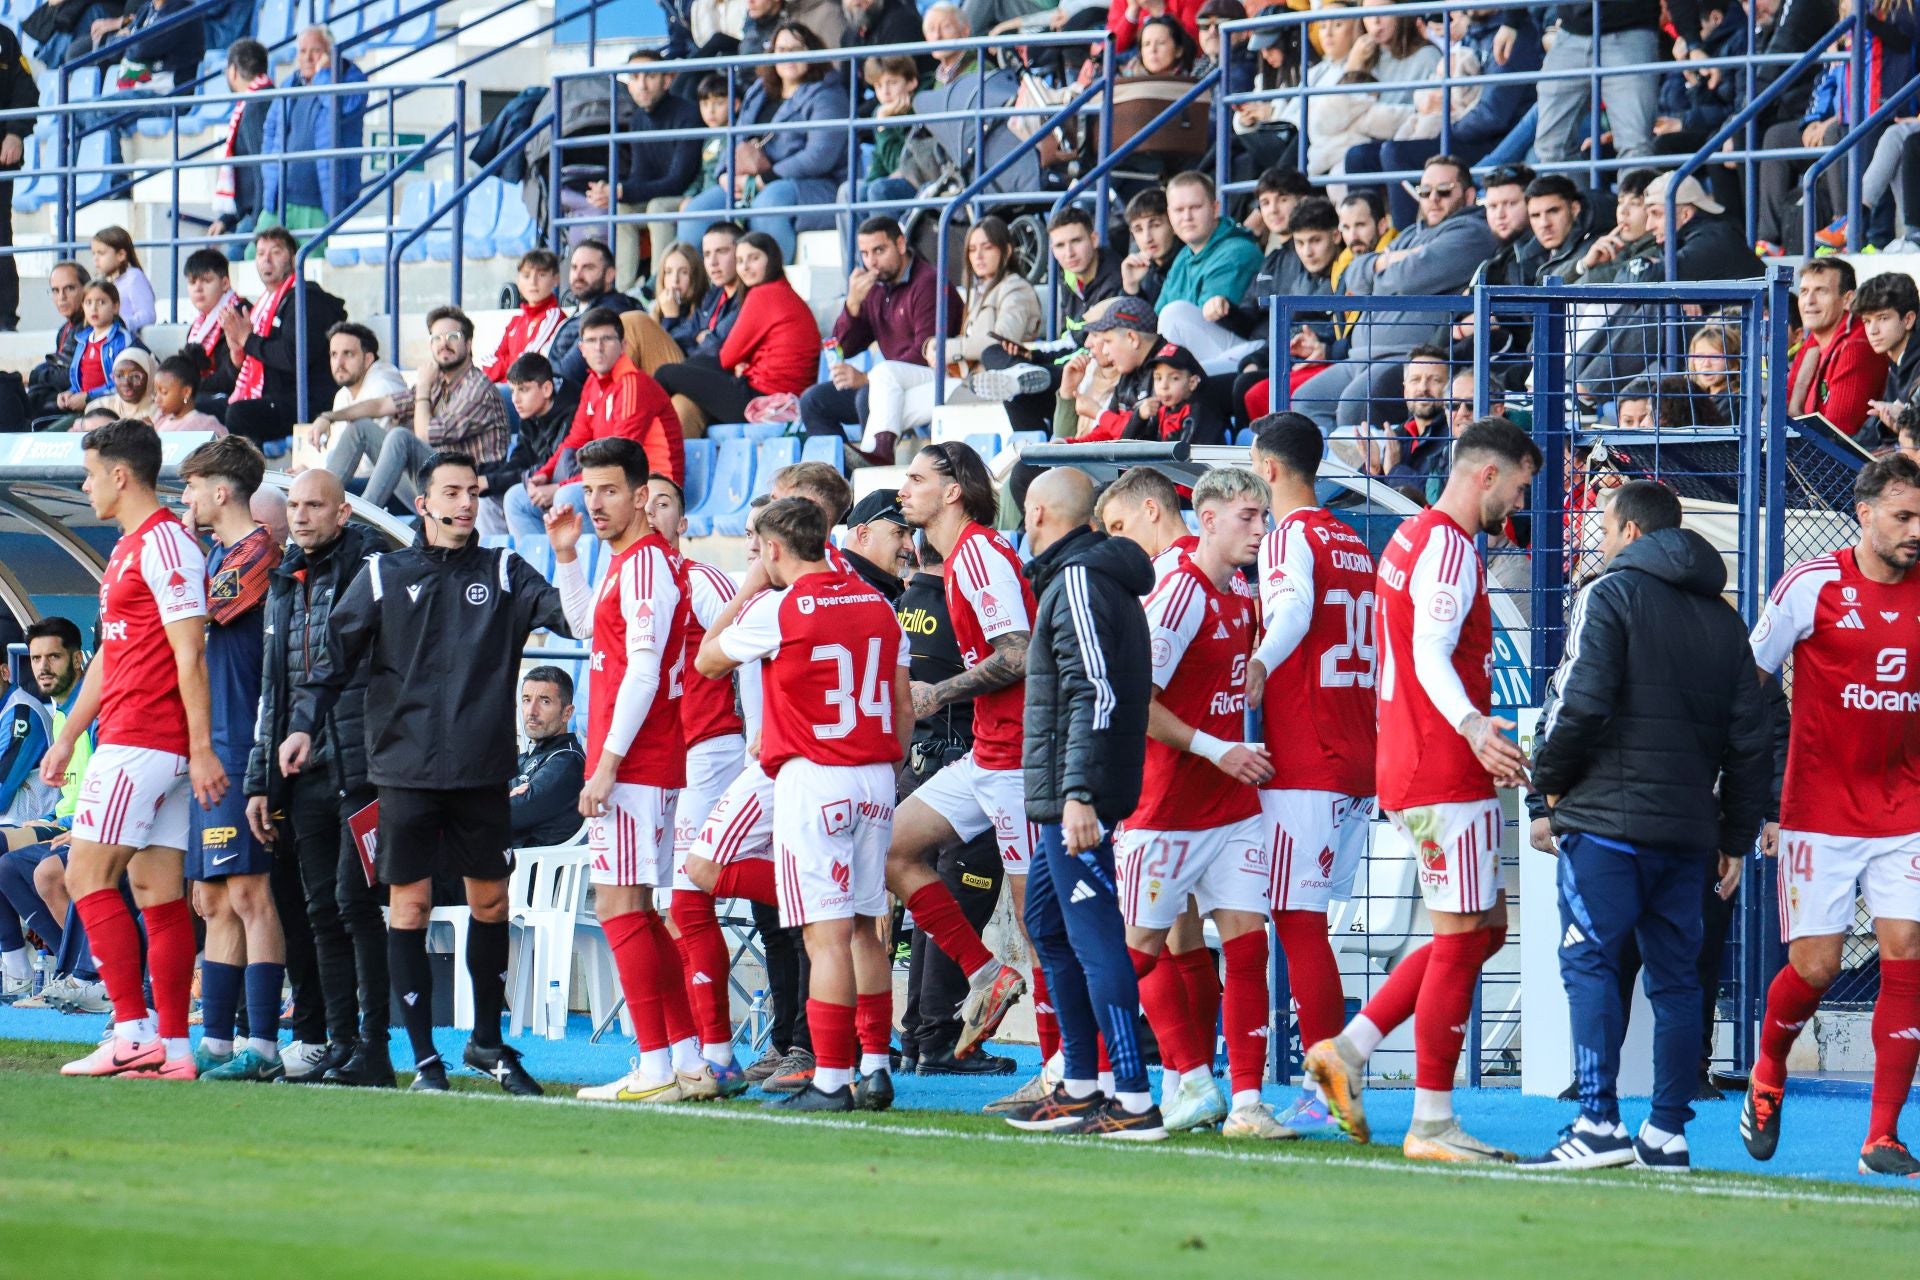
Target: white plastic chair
<point>457,919</point>
<point>548,895</point>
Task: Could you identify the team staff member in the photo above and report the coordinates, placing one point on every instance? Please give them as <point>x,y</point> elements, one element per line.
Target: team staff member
<point>1653,756</point>
<point>545,795</point>
<point>17,93</point>
<point>308,813</point>
<point>443,753</point>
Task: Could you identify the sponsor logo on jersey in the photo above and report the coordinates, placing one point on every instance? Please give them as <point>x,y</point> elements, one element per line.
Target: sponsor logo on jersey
<point>842,875</point>
<point>1220,631</point>
<point>1326,864</point>
<point>837,816</point>
<point>113,631</point>
<point>1432,856</point>
<point>1851,622</point>
<point>1861,697</point>
<point>973,881</point>
<point>1890,667</point>
<point>804,604</point>
<point>920,622</point>
<point>874,811</point>
<point>599,660</point>
<point>989,607</point>
<point>1228,704</point>
<point>413,593</point>
<point>218,837</point>
<point>177,585</point>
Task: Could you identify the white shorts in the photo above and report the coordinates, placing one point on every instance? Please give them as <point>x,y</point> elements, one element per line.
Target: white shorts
<point>1223,868</point>
<point>1458,847</point>
<point>1317,839</point>
<point>740,824</point>
<point>1818,874</point>
<point>973,799</point>
<point>632,841</point>
<point>831,827</point>
<point>135,798</point>
<point>711,768</point>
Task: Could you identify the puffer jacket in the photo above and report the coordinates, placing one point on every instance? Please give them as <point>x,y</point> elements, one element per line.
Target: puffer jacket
<point>1655,730</point>
<point>1089,677</point>
<point>300,597</point>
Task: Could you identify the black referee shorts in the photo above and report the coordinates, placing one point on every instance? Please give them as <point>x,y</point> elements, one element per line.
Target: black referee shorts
<point>465,831</point>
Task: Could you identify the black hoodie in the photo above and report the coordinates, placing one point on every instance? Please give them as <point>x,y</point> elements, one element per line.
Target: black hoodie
<point>1655,731</point>
<point>1089,677</point>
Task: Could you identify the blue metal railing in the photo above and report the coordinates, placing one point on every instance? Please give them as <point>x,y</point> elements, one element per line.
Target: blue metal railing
<point>1848,146</point>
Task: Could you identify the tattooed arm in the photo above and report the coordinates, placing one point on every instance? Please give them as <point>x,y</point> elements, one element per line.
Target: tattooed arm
<point>1008,665</point>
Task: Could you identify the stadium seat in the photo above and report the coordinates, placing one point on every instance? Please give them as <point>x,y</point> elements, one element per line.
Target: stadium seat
<point>546,901</point>
<point>1243,437</point>
<point>699,471</point>
<point>1025,438</point>
<point>727,431</point>
<point>274,25</point>
<point>757,431</point>
<point>536,551</point>
<point>514,233</point>
<point>773,454</point>
<point>985,443</point>
<point>418,200</point>
<point>483,210</point>
<point>414,31</point>
<point>729,490</point>
<point>831,450</point>
<point>209,114</point>
<point>90,182</point>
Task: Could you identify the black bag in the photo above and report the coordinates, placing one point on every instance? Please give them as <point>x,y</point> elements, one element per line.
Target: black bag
<point>14,413</point>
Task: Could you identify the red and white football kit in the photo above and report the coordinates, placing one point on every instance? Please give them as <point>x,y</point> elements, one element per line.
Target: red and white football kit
<point>710,719</point>
<point>1850,808</point>
<point>1435,626</point>
<point>1196,831</point>
<point>1317,603</point>
<point>136,792</point>
<point>832,647</point>
<point>987,597</point>
<point>1179,551</point>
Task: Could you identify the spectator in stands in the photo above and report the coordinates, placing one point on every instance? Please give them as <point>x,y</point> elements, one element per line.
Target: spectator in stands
<point>653,176</point>
<point>1162,48</point>
<point>1236,57</point>
<point>89,376</point>
<point>893,81</point>
<point>264,402</point>
<point>590,278</point>
<point>1088,273</point>
<point>1210,273</point>
<point>1713,366</point>
<point>545,794</point>
<point>1143,273</point>
<point>891,300</point>
<point>679,287</point>
<point>210,290</point>
<point>151,65</point>
<point>1629,251</point>
<point>1667,403</point>
<point>773,347</point>
<point>452,406</point>
<point>942,25</point>
<point>1267,133</point>
<point>18,92</point>
<point>539,318</point>
<point>1562,224</point>
<point>1280,189</point>
<point>792,167</point>
<point>1394,49</point>
<point>52,377</point>
<point>1504,199</point>
<point>353,358</point>
<point>132,385</point>
<point>304,194</point>
<point>1002,310</point>
<point>718,105</point>
<point>1405,455</point>
<point>1120,343</point>
<point>544,419</point>
<point>237,188</point>
<point>176,381</point>
<point>1711,245</point>
<point>874,23</point>
<point>1629,35</point>
<point>1695,103</point>
<point>1364,228</point>
<point>1302,266</point>
<point>1170,411</point>
<point>1837,372</point>
<point>1127,19</point>
<point>116,261</point>
<point>1887,307</point>
<point>697,297</point>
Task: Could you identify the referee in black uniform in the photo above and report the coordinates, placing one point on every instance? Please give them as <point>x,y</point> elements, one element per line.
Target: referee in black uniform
<point>442,625</point>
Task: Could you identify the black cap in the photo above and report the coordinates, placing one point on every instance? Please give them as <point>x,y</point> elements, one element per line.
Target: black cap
<point>1178,357</point>
<point>1126,312</point>
<point>879,505</point>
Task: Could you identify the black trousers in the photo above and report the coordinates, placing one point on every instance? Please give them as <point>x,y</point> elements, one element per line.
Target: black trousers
<point>360,904</point>
<point>310,827</point>
<point>303,967</point>
<point>786,979</point>
<point>9,269</point>
<point>720,395</point>
<point>265,419</point>
<point>1780,215</point>
<point>935,985</point>
<point>824,407</point>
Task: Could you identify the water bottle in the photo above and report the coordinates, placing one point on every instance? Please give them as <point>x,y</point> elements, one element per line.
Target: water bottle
<point>758,1018</point>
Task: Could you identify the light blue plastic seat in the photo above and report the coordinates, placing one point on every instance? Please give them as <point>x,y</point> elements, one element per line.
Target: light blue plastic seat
<point>483,210</point>
<point>729,489</point>
<point>831,450</point>
<point>514,233</point>
<point>699,471</point>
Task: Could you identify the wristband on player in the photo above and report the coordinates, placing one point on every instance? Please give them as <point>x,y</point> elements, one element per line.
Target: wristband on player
<point>1205,744</point>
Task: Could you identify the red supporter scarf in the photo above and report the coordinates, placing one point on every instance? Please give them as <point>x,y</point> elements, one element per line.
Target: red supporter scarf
<point>226,184</point>
<point>252,378</point>
<point>205,329</point>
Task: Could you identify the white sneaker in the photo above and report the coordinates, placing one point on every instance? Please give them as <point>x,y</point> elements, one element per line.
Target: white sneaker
<point>1255,1120</point>
<point>1035,1090</point>
<point>52,996</point>
<point>300,1058</point>
<point>634,1087</point>
<point>1197,1103</point>
<point>87,997</point>
<point>12,989</point>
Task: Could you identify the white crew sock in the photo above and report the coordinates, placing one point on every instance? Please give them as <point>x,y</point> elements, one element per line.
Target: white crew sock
<point>686,1058</point>
<point>872,1062</point>
<point>720,1055</point>
<point>656,1065</point>
<point>268,1049</point>
<point>17,964</point>
<point>1433,1104</point>
<point>827,1079</point>
<point>1659,1138</point>
<point>178,1047</point>
<point>137,1032</point>
<point>1245,1098</point>
<point>1364,1035</point>
<point>215,1046</point>
<point>1080,1088</point>
<point>1106,1083</point>
<point>1135,1103</point>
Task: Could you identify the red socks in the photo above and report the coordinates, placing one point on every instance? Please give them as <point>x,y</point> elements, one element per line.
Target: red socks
<point>1202,980</point>
<point>1164,997</point>
<point>1790,1002</point>
<point>873,1022</point>
<point>1312,973</point>
<point>115,941</point>
<point>831,1026</point>
<point>1896,1044</point>
<point>170,965</point>
<point>630,937</point>
<point>670,977</point>
<point>703,955</point>
<point>1444,1006</point>
<point>1045,1024</point>
<point>750,878</point>
<point>935,910</point>
<point>1496,938</point>
<point>1247,1008</point>
<point>1393,1003</point>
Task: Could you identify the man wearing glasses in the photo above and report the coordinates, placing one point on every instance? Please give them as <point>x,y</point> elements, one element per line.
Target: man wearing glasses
<point>452,406</point>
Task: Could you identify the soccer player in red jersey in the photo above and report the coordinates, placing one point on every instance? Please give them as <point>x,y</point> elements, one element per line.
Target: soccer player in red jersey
<point>1315,668</point>
<point>1197,831</point>
<point>636,755</point>
<point>837,716</point>
<point>1850,808</point>
<point>1440,756</point>
<point>148,690</point>
<point>949,495</point>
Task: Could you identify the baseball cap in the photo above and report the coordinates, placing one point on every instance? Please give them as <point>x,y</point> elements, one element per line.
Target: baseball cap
<point>1178,357</point>
<point>1689,192</point>
<point>876,506</point>
<point>1266,38</point>
<point>1129,313</point>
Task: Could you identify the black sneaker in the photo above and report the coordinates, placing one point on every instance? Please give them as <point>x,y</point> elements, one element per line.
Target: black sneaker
<point>368,1067</point>
<point>1705,1090</point>
<point>1760,1119</point>
<point>1670,1157</point>
<point>332,1054</point>
<point>1112,1120</point>
<point>874,1092</point>
<point>809,1098</point>
<point>502,1062</point>
<point>1059,1110</point>
<point>429,1076</point>
<point>941,1062</point>
<point>1584,1145</point>
<point>1889,1156</point>
<point>764,1066</point>
<point>1570,1094</point>
<point>794,1073</point>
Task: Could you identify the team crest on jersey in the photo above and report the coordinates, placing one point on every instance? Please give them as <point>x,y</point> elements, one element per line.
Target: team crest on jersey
<point>1850,594</point>
<point>1153,891</point>
<point>477,593</point>
<point>804,604</point>
<point>1326,864</point>
<point>989,607</point>
<point>1162,651</point>
<point>1443,607</point>
<point>1432,856</point>
<point>842,875</point>
<point>837,816</point>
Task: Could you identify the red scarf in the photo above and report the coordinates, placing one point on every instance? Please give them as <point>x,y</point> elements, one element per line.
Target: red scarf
<point>205,329</point>
<point>252,377</point>
<point>225,184</point>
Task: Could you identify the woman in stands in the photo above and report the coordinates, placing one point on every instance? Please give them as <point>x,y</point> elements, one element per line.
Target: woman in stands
<point>773,348</point>
<point>788,166</point>
<point>668,329</point>
<point>1165,50</point>
<point>91,374</point>
<point>116,261</point>
<point>1003,310</point>
<point>133,372</point>
<point>1394,48</point>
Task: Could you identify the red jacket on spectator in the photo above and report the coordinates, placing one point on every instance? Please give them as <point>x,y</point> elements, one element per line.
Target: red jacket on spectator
<point>531,329</point>
<point>625,402</point>
<point>1185,12</point>
<point>1847,373</point>
<point>776,338</point>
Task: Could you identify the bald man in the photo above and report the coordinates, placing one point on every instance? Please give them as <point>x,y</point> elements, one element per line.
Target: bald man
<point>309,814</point>
<point>268,507</point>
<point>1089,682</point>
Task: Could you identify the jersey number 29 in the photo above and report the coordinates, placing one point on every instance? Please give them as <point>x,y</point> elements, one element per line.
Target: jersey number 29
<point>1351,662</point>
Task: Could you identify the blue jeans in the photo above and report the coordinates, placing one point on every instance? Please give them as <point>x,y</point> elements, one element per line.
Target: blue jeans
<point>1073,920</point>
<point>21,906</point>
<point>524,520</point>
<point>1518,144</point>
<point>1607,897</point>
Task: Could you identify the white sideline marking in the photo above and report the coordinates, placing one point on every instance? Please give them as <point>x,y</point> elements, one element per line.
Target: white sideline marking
<point>1702,1183</point>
